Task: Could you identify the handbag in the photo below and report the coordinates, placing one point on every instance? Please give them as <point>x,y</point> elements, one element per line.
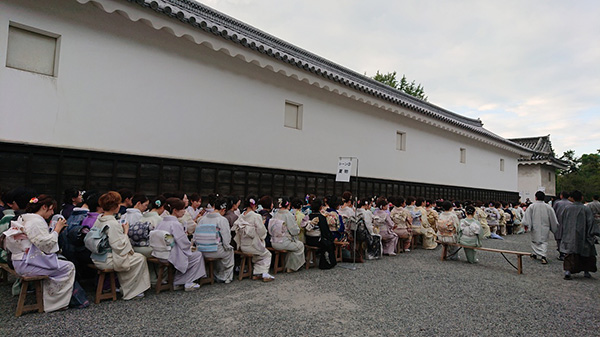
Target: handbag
<point>36,258</point>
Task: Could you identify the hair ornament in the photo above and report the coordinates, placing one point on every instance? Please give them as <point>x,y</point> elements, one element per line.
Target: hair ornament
<point>223,206</point>
<point>252,201</point>
<point>33,200</point>
<point>158,203</point>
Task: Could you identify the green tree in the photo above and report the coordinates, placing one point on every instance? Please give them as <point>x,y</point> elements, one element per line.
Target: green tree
<point>411,88</point>
<point>583,174</point>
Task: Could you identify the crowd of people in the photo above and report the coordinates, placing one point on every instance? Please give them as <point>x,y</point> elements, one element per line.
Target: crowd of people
<point>122,230</point>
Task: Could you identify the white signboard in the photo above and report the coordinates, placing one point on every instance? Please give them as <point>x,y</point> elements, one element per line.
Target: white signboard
<point>344,170</point>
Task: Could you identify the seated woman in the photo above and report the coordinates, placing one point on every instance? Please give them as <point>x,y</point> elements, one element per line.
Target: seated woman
<point>250,234</point>
<point>131,267</point>
<point>447,227</point>
<point>382,219</point>
<point>140,230</point>
<point>284,236</point>
<point>470,234</point>
<point>371,238</point>
<point>402,223</point>
<point>73,198</point>
<point>221,242</point>
<point>140,205</point>
<point>319,235</point>
<point>32,234</point>
<point>189,265</point>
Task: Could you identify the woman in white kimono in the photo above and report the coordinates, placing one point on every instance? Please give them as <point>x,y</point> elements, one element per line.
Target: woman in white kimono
<point>382,219</point>
<point>33,230</point>
<point>189,265</point>
<point>225,263</point>
<point>250,234</point>
<point>287,238</point>
<point>131,267</point>
<point>147,222</point>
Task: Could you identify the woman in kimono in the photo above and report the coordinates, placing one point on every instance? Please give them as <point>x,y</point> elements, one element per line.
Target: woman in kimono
<point>402,223</point>
<point>33,231</point>
<point>382,219</point>
<point>288,239</point>
<point>372,239</point>
<point>250,234</point>
<point>335,220</point>
<point>470,234</point>
<point>140,205</point>
<point>297,213</point>
<point>73,197</point>
<point>189,265</point>
<point>131,267</point>
<point>319,235</point>
<point>225,263</point>
<point>448,228</point>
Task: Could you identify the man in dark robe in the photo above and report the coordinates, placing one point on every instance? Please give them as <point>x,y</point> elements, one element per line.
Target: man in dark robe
<point>578,236</point>
<point>559,207</point>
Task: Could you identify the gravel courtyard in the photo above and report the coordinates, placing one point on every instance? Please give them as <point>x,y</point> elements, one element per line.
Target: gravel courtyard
<point>412,294</point>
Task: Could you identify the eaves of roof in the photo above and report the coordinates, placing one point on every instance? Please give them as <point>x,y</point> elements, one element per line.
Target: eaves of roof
<point>209,20</point>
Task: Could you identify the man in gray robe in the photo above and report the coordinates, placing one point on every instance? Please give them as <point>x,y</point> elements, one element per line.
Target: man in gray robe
<point>559,207</point>
<point>595,207</point>
<point>541,219</point>
<point>579,231</point>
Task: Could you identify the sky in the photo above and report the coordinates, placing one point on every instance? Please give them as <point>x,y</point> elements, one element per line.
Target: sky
<point>525,68</point>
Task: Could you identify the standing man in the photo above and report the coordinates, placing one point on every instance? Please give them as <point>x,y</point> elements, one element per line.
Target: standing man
<point>595,207</point>
<point>579,231</point>
<point>540,218</point>
<point>559,207</point>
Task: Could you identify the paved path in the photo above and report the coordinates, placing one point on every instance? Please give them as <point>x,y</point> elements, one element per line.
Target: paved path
<point>412,294</point>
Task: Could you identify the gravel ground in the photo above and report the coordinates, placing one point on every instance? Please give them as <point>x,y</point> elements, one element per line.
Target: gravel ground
<point>412,294</point>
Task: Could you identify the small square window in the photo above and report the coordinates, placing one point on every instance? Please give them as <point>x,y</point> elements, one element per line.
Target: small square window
<point>293,115</point>
<point>400,141</point>
<point>32,50</point>
<point>463,155</point>
<point>502,165</point>
<point>549,176</point>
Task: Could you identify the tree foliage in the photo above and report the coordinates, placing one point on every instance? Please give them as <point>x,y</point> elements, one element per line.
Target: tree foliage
<point>582,174</point>
<point>411,88</point>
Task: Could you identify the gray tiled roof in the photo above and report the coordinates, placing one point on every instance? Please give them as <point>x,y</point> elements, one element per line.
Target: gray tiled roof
<point>203,17</point>
<point>542,149</point>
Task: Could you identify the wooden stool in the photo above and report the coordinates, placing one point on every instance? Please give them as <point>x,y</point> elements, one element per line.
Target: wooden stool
<point>338,249</point>
<point>210,261</point>
<point>39,295</point>
<point>161,269</point>
<point>112,295</point>
<point>245,259</point>
<point>311,256</point>
<point>279,259</point>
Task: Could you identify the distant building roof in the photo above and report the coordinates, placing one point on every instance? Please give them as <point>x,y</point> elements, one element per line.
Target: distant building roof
<point>542,151</point>
<point>205,18</point>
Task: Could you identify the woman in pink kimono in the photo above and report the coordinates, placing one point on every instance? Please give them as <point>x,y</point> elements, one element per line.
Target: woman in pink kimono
<point>131,267</point>
<point>189,265</point>
<point>250,234</point>
<point>32,230</point>
<point>382,219</point>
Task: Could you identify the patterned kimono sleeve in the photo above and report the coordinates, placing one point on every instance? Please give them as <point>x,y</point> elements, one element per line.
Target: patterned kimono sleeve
<point>290,222</point>
<point>37,233</point>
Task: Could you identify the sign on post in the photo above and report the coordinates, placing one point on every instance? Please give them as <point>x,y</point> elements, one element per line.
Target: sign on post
<point>344,170</point>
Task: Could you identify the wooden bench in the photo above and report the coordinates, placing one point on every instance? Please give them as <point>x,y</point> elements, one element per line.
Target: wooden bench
<point>501,251</point>
<point>210,278</point>
<point>338,249</point>
<point>112,295</point>
<point>25,281</point>
<point>245,261</point>
<point>161,270</point>
<point>279,259</point>
<point>311,256</point>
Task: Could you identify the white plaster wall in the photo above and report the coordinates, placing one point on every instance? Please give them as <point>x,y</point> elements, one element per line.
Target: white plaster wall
<point>125,87</point>
<point>549,184</point>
